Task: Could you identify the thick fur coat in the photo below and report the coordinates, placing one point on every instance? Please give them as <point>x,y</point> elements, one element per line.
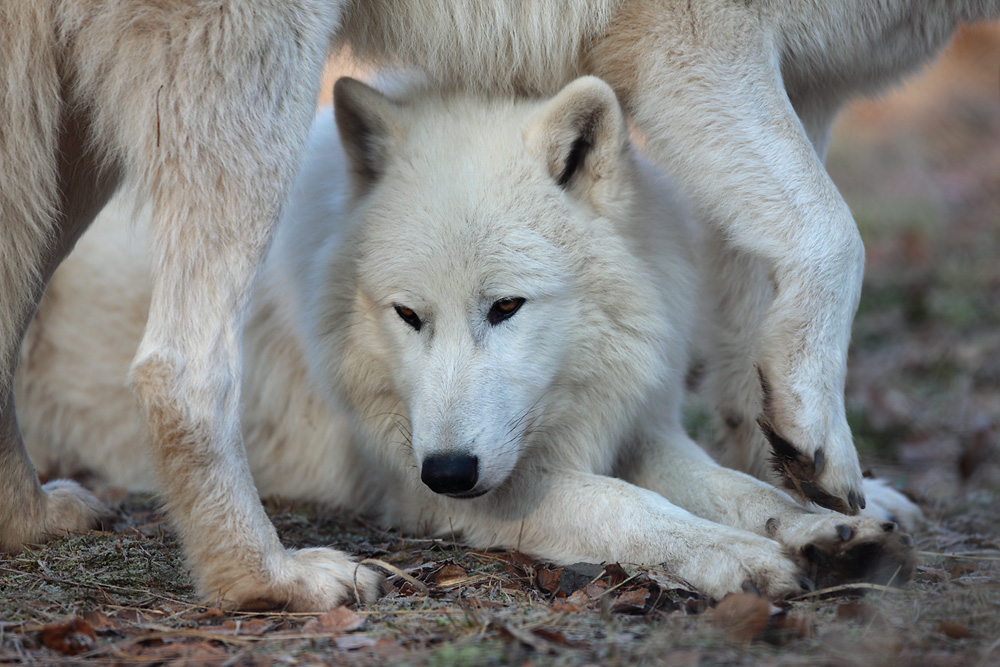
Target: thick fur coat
<point>478,322</point>
<point>203,108</point>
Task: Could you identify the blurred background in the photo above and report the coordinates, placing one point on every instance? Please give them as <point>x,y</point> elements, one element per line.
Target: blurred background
<point>920,168</point>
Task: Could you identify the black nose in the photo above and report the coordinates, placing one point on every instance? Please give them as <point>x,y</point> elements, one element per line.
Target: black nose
<point>450,473</point>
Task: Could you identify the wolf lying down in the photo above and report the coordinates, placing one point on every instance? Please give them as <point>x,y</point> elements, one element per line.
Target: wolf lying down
<point>476,318</point>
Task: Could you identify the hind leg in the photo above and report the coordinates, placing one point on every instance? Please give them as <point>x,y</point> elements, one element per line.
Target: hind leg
<point>32,249</point>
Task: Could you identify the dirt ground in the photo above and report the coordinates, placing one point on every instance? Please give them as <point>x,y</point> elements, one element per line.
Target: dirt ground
<point>921,170</point>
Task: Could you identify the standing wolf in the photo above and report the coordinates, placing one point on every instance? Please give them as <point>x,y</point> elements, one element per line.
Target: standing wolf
<point>486,332</point>
<point>203,108</point>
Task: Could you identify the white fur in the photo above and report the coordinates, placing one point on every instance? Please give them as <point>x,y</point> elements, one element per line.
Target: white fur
<point>203,107</point>
<point>571,405</point>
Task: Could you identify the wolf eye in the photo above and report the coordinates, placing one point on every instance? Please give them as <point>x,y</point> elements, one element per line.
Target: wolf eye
<point>408,316</point>
<point>503,309</point>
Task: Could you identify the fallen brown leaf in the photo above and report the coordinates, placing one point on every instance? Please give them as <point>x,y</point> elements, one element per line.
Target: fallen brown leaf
<point>340,619</point>
<point>547,579</point>
<point>99,621</point>
<point>70,637</point>
<point>930,575</point>
<point>449,575</point>
<point>742,616</point>
<point>254,627</point>
<point>615,574</point>
<point>631,602</point>
<point>954,630</point>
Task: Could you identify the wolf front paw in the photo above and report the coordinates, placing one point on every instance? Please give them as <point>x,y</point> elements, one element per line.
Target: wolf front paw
<point>887,504</point>
<point>747,563</point>
<point>818,465</point>
<point>305,580</point>
<point>70,508</point>
<point>836,549</point>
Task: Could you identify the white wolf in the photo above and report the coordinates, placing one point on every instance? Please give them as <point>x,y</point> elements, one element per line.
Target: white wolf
<point>203,106</point>
<point>478,323</point>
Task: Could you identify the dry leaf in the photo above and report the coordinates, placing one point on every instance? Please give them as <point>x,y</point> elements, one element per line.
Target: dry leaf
<point>579,598</point>
<point>631,602</point>
<point>99,621</point>
<point>930,575</point>
<point>176,653</point>
<point>742,616</point>
<point>963,569</point>
<point>449,575</point>
<point>954,630</point>
<point>254,627</point>
<point>74,635</point>
<point>615,574</point>
<point>340,619</point>
<point>214,612</point>
<point>554,636</point>
<point>547,579</point>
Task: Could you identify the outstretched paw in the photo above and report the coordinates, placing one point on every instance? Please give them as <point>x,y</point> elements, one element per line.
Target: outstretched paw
<point>306,580</point>
<point>838,550</point>
<point>887,504</point>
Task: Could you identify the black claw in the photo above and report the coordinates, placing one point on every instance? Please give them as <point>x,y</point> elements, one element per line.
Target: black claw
<point>819,462</point>
<point>856,501</point>
<point>844,532</point>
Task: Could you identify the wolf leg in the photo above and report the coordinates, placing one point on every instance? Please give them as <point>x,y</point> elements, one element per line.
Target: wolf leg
<point>703,84</point>
<point>833,548</point>
<point>570,516</point>
<point>215,139</point>
<point>36,236</point>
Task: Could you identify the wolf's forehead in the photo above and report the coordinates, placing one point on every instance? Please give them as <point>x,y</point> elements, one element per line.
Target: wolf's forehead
<point>464,254</point>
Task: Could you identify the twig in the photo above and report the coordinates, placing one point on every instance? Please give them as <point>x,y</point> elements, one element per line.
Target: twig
<point>848,587</point>
<point>968,556</point>
<point>413,581</point>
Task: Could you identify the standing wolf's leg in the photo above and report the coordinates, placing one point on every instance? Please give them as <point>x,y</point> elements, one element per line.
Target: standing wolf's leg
<point>45,204</point>
<point>834,548</point>
<point>739,287</point>
<point>218,152</point>
<point>703,83</point>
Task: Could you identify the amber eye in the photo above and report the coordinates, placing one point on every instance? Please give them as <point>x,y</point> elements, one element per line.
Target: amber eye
<point>503,309</point>
<point>408,316</point>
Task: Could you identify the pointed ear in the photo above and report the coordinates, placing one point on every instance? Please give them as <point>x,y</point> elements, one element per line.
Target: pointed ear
<point>581,137</point>
<point>367,127</point>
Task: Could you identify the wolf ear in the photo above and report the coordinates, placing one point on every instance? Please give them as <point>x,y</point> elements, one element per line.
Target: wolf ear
<point>581,137</point>
<point>365,121</point>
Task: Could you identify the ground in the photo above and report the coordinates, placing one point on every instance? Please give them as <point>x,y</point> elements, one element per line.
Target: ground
<point>921,170</point>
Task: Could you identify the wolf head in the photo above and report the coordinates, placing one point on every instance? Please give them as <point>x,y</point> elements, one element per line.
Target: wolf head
<point>492,304</point>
